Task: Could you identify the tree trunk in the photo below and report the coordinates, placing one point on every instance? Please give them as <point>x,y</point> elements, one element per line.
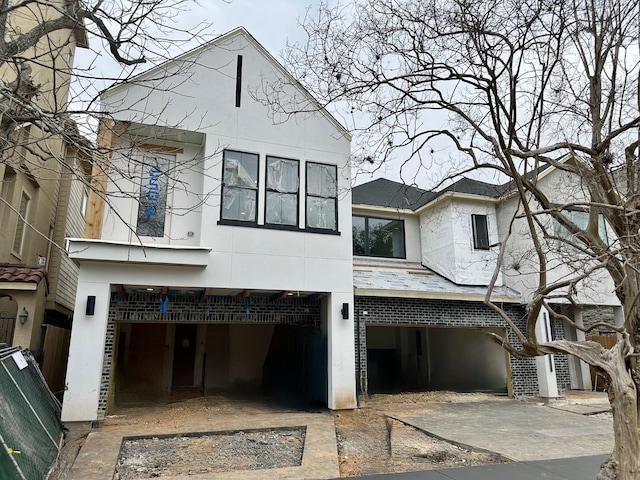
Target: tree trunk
<point>625,461</point>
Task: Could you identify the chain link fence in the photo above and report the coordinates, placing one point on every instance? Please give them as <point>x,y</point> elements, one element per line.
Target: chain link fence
<point>30,427</point>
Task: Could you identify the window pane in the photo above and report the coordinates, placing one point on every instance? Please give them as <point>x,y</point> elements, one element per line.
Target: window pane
<point>239,204</point>
<point>581,219</point>
<point>153,197</point>
<point>322,180</point>
<point>240,169</point>
<point>602,229</point>
<point>359,236</point>
<point>386,238</point>
<point>321,213</point>
<point>282,208</point>
<point>480,232</point>
<point>282,175</point>
<point>17,239</point>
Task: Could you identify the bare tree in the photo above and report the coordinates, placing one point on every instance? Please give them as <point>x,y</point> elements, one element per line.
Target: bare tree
<point>56,60</point>
<point>513,88</point>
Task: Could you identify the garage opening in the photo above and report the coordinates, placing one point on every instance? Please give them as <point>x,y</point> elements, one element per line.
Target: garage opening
<point>402,358</point>
<point>169,361</point>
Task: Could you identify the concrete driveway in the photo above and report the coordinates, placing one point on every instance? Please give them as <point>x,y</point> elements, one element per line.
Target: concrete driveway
<point>517,430</point>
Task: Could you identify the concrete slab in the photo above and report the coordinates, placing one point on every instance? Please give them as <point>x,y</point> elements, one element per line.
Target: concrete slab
<point>97,458</point>
<point>579,468</point>
<point>517,430</point>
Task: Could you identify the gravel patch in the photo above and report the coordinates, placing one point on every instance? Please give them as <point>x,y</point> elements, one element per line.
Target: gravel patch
<point>198,453</point>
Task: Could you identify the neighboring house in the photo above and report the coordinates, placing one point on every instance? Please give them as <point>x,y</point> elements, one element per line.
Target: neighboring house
<point>422,264</point>
<point>41,199</point>
<point>222,257</point>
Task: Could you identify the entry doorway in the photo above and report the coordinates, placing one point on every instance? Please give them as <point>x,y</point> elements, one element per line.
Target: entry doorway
<point>184,355</point>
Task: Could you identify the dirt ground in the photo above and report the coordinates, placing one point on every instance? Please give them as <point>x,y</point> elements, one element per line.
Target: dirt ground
<point>368,440</point>
<point>206,453</point>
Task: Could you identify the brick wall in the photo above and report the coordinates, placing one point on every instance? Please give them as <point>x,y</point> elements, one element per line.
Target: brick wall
<point>191,309</point>
<point>421,312</point>
<point>561,362</point>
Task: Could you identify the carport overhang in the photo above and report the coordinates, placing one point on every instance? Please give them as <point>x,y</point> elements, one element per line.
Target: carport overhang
<point>84,249</point>
<point>432,295</point>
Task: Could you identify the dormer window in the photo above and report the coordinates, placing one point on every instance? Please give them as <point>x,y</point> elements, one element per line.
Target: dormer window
<point>480,232</point>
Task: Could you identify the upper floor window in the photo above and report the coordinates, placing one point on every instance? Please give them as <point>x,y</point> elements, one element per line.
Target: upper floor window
<point>239,186</point>
<point>378,237</point>
<point>322,197</point>
<point>23,210</point>
<point>581,219</point>
<point>283,183</point>
<point>480,232</point>
<point>84,203</point>
<point>152,204</point>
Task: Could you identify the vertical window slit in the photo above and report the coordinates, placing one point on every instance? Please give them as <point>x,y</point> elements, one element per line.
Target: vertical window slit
<point>238,80</point>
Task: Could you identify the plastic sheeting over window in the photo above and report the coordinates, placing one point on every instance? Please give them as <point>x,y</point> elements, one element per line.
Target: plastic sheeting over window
<point>153,197</point>
<point>239,192</point>
<point>322,192</point>
<point>283,184</point>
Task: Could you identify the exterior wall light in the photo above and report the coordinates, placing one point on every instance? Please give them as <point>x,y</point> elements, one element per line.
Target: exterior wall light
<point>23,316</point>
<point>345,311</point>
<point>91,305</point>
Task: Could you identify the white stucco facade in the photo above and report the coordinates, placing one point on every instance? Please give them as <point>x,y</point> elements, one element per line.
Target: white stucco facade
<point>200,251</point>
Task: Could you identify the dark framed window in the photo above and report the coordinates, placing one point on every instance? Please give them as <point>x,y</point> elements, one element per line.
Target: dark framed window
<point>283,186</point>
<point>378,237</point>
<point>480,232</point>
<point>239,186</point>
<point>322,197</point>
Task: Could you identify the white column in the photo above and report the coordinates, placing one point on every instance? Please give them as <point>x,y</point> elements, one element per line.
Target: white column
<point>547,382</point>
<point>584,375</point>
<point>86,352</point>
<point>618,318</point>
<point>341,366</point>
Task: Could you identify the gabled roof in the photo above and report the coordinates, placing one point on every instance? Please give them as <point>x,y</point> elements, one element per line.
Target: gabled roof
<point>387,193</point>
<point>158,69</point>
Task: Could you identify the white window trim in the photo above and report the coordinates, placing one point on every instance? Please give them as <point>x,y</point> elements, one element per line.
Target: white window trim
<point>25,223</point>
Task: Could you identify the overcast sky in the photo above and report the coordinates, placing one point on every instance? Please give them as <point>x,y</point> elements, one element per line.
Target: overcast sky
<point>273,23</point>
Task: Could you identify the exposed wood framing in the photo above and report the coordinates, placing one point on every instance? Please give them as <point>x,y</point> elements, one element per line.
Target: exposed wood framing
<point>315,297</point>
<point>242,296</point>
<point>106,141</point>
<point>206,293</point>
<point>122,292</point>
<point>279,296</point>
<point>160,148</point>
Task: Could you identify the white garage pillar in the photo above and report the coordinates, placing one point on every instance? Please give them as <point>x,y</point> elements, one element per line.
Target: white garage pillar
<point>547,382</point>
<point>86,352</point>
<point>584,375</point>
<point>341,386</point>
<point>618,318</point>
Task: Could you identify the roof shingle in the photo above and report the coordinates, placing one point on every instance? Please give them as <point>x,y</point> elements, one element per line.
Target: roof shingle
<point>22,273</point>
